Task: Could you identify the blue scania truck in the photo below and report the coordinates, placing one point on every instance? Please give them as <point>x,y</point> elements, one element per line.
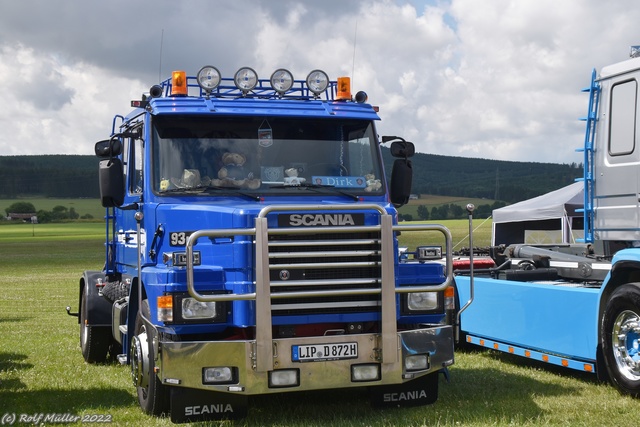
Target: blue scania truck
<point>577,304</point>
<point>251,248</point>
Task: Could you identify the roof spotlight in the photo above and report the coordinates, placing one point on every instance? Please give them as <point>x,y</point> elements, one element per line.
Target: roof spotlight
<point>245,79</point>
<point>208,78</point>
<point>281,80</point>
<point>317,81</point>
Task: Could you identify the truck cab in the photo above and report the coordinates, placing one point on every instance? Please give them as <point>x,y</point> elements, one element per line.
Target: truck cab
<point>577,304</point>
<point>251,248</point>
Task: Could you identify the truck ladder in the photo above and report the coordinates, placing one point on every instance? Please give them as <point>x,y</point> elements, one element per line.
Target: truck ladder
<point>589,150</point>
<point>110,245</point>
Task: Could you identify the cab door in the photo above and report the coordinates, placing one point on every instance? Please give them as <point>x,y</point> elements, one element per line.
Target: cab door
<point>126,230</point>
<point>617,195</point>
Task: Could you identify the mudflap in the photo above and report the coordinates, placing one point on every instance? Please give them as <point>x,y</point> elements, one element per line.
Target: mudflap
<point>421,391</point>
<point>191,405</point>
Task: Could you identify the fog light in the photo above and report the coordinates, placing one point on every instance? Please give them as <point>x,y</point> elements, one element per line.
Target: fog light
<point>217,375</point>
<point>416,362</point>
<point>284,378</point>
<point>368,372</point>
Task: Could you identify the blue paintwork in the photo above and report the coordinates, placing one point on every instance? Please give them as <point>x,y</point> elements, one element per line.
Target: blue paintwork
<point>262,107</point>
<point>547,318</point>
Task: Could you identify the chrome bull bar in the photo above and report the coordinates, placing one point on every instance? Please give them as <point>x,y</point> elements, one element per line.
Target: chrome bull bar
<point>263,295</point>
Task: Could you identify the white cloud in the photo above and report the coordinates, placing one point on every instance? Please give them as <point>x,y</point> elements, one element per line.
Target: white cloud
<point>53,108</point>
<point>497,79</point>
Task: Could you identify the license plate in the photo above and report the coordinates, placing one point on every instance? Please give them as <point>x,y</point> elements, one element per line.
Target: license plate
<point>322,352</point>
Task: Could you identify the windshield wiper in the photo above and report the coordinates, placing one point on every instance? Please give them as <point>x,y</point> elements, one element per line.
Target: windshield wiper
<point>198,189</point>
<point>205,189</point>
<point>232,190</point>
<point>309,186</point>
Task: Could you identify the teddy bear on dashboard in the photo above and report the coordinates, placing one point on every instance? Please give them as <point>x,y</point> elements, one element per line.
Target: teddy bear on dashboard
<point>373,184</point>
<point>232,173</point>
<point>292,177</point>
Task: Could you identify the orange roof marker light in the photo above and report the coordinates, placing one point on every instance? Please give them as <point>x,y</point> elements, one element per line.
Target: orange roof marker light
<point>344,89</point>
<point>179,83</point>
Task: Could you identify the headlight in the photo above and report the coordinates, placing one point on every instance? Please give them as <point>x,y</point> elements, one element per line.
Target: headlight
<point>182,309</point>
<point>422,301</point>
<point>193,309</point>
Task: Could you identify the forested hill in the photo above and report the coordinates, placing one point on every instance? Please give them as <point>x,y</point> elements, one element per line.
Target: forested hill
<point>49,176</point>
<point>491,179</point>
<point>76,176</point>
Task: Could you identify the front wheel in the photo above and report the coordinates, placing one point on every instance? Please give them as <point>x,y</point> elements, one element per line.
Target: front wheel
<point>621,338</point>
<point>153,396</point>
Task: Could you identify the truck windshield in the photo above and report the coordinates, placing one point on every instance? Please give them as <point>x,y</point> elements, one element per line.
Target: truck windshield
<point>262,155</point>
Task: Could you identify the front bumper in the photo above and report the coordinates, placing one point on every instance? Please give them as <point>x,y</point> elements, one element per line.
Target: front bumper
<point>182,363</point>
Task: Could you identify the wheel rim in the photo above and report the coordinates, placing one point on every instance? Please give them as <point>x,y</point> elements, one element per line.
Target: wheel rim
<point>626,344</point>
<point>140,360</point>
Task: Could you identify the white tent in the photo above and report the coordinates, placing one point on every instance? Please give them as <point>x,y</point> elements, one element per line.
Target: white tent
<point>550,218</point>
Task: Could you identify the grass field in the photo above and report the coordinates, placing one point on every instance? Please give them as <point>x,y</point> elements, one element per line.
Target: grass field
<point>431,201</point>
<point>42,370</point>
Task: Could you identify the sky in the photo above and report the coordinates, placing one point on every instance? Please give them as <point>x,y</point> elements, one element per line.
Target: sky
<point>496,79</point>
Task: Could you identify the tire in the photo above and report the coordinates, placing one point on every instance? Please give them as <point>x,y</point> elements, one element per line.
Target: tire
<point>94,340</point>
<point>153,396</point>
<point>113,291</point>
<point>621,339</point>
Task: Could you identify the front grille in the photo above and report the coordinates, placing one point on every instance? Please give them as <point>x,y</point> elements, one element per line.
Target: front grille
<point>320,262</point>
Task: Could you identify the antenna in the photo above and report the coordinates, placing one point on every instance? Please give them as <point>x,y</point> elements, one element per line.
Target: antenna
<point>353,64</point>
<point>160,64</point>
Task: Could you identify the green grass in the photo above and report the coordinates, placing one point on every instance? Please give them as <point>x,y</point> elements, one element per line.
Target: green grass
<point>42,369</point>
<point>432,200</point>
<point>459,230</point>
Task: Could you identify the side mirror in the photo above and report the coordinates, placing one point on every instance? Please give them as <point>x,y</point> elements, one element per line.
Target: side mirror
<point>402,149</point>
<point>108,147</point>
<point>111,179</point>
<point>402,172</point>
<point>400,183</point>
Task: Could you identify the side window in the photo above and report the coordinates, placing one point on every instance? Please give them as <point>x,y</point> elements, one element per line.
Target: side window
<point>622,118</point>
<point>126,155</point>
<point>135,166</point>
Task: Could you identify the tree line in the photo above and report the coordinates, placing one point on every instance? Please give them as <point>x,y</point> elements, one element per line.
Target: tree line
<point>59,176</point>
<point>76,176</point>
<point>509,182</point>
<point>451,211</point>
<point>58,213</point>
